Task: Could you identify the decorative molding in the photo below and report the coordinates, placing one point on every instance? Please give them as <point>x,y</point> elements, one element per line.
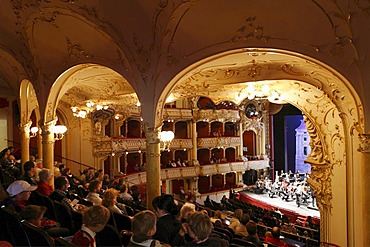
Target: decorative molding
<point>364,143</point>
<point>218,115</point>
<point>177,114</point>
<point>321,169</point>
<point>218,142</point>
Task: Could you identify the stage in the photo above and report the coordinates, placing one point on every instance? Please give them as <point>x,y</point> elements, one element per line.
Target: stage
<point>289,208</point>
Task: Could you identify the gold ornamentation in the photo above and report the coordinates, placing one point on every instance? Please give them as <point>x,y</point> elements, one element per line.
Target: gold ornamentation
<point>365,143</point>
<point>321,169</point>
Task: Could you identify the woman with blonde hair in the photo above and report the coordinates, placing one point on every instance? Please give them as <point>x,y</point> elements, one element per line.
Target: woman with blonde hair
<point>235,220</point>
<point>109,200</point>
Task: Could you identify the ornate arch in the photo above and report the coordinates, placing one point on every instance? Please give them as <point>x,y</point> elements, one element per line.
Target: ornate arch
<point>333,110</point>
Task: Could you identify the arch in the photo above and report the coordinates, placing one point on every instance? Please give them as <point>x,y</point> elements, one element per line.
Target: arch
<point>86,74</point>
<point>333,113</point>
<point>28,102</point>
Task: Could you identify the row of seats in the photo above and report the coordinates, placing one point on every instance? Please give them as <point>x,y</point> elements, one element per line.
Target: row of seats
<point>19,232</point>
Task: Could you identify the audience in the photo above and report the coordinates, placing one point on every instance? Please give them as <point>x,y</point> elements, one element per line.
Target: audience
<point>124,195</point>
<point>61,194</point>
<point>19,192</point>
<point>275,238</point>
<point>144,227</point>
<point>94,189</point>
<point>235,220</point>
<point>185,211</point>
<point>252,234</point>
<point>168,226</point>
<point>44,185</point>
<point>199,227</point>
<point>94,220</point>
<point>29,173</point>
<point>109,200</point>
<point>35,215</point>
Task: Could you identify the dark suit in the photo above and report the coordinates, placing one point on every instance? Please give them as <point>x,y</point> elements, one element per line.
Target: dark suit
<point>167,228</point>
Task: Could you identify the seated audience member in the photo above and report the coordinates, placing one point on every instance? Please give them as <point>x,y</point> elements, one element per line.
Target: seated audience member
<point>94,189</point>
<point>29,173</point>
<point>217,218</point>
<point>73,181</point>
<point>44,185</point>
<point>241,229</point>
<point>107,183</point>
<point>235,220</point>
<point>143,227</point>
<point>199,227</point>
<point>61,194</point>
<point>109,200</point>
<point>168,226</point>
<point>19,192</point>
<point>275,239</point>
<point>252,234</point>
<point>124,195</point>
<point>35,216</point>
<point>185,210</point>
<point>94,220</point>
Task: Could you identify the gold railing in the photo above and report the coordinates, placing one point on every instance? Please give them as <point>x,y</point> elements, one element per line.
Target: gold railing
<point>193,171</point>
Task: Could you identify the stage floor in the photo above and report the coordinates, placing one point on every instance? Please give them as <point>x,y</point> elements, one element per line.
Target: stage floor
<point>305,210</point>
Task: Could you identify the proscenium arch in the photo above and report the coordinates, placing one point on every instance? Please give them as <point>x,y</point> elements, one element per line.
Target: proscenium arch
<point>333,112</point>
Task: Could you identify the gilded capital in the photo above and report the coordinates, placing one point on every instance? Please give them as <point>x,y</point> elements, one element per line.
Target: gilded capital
<point>47,128</point>
<point>25,128</point>
<point>152,134</point>
<point>364,143</point>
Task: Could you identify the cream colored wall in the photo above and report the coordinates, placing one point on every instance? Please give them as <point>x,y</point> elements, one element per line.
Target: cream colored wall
<point>78,144</point>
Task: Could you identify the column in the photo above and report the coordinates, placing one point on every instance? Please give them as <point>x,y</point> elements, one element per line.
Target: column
<point>125,160</point>
<point>194,142</point>
<point>140,159</point>
<point>39,145</point>
<point>153,169</point>
<point>168,186</point>
<point>240,147</point>
<point>25,143</point>
<point>48,144</point>
<point>115,166</point>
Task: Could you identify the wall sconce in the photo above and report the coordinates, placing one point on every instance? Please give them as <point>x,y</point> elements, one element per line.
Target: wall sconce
<point>59,131</point>
<point>166,138</point>
<point>33,131</point>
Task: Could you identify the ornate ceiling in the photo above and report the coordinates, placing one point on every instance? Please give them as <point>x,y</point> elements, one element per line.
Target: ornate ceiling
<point>140,46</point>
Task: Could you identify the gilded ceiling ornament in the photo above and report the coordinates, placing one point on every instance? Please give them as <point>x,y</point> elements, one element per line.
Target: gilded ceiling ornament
<point>250,30</point>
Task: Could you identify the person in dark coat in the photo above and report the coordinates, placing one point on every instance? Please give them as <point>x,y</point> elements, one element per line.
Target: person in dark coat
<point>168,226</point>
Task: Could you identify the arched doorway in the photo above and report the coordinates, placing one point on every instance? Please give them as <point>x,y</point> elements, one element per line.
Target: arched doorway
<point>333,115</point>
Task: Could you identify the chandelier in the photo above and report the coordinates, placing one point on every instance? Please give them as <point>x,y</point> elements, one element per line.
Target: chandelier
<point>259,91</point>
<point>86,109</point>
<point>166,138</point>
<point>59,131</point>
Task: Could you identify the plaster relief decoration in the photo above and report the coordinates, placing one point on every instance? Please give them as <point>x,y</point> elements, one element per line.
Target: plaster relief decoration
<point>365,143</point>
<point>321,169</point>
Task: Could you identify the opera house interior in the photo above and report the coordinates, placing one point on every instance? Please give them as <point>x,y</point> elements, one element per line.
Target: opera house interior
<point>190,95</point>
